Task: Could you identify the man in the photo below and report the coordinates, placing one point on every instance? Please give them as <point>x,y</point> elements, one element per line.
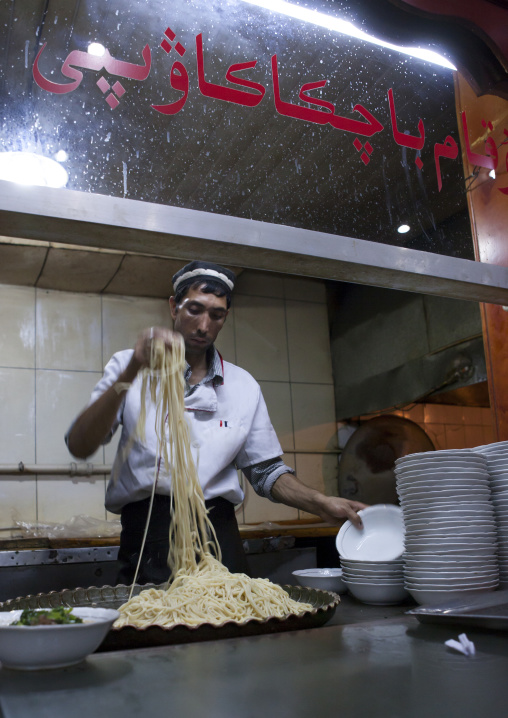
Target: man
<point>229,425</point>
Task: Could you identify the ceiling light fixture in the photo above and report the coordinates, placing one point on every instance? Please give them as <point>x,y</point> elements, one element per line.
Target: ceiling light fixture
<point>30,169</point>
<point>347,28</point>
<point>95,48</point>
<point>403,228</point>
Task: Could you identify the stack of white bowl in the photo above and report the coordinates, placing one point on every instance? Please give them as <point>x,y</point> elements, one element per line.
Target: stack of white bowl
<point>451,540</point>
<point>375,582</point>
<point>371,556</point>
<point>496,456</point>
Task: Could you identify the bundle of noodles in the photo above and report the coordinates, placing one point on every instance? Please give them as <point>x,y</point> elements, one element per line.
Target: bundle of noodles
<point>202,590</point>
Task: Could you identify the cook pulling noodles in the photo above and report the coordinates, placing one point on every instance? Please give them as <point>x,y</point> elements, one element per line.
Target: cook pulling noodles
<point>229,428</point>
<point>202,589</point>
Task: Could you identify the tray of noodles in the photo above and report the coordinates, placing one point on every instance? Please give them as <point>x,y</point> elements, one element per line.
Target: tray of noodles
<point>323,605</point>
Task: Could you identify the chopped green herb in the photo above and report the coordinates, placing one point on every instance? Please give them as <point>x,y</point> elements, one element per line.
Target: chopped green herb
<point>52,616</point>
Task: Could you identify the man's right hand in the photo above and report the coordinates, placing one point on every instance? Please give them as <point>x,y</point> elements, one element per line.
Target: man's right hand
<point>143,348</point>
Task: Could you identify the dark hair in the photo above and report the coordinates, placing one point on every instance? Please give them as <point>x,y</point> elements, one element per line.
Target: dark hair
<point>207,286</point>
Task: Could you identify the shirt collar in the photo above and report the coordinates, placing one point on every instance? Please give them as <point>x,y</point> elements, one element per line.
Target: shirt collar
<point>215,372</point>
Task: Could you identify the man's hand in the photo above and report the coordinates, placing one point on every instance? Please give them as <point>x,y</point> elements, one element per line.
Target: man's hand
<point>291,491</point>
<point>335,509</point>
<point>143,347</point>
<point>95,422</point>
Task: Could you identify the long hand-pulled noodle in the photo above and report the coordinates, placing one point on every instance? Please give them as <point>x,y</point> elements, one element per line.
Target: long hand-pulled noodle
<point>202,589</point>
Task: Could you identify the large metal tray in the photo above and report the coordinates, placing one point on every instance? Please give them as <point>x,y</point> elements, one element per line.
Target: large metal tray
<point>324,604</point>
<point>485,611</point>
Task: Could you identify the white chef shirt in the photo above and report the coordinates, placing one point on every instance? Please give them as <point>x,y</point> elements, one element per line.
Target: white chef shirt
<point>229,427</point>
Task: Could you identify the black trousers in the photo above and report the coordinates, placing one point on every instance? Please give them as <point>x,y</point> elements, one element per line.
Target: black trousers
<point>154,567</point>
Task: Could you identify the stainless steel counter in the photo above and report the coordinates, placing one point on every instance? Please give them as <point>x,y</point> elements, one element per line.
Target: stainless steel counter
<point>379,663</point>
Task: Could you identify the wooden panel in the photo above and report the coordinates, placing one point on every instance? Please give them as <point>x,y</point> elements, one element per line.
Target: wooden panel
<point>74,270</point>
<point>21,264</point>
<point>488,208</point>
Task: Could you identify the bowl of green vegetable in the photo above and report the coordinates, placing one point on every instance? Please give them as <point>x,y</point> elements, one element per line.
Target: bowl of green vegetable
<point>36,639</point>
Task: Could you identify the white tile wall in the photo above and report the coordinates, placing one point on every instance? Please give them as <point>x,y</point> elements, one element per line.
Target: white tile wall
<point>18,500</point>
<point>308,343</point>
<point>60,498</point>
<point>225,342</point>
<point>17,416</point>
<point>314,417</point>
<point>17,326</point>
<point>53,346</point>
<point>261,345</point>
<point>123,318</point>
<point>68,331</point>
<point>319,471</point>
<point>277,396</point>
<point>61,395</point>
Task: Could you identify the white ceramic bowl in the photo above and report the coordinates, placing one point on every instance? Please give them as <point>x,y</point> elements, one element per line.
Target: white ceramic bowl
<point>372,564</point>
<point>380,539</point>
<point>374,581</point>
<point>373,573</point>
<point>435,597</point>
<point>326,579</point>
<point>378,594</point>
<point>32,648</point>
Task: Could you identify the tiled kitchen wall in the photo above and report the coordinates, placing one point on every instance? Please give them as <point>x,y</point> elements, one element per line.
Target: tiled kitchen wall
<point>53,346</point>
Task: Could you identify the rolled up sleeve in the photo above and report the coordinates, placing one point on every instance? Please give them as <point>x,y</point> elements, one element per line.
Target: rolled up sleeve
<point>262,476</point>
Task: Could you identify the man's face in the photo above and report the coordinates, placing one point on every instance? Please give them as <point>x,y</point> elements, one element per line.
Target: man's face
<point>198,318</point>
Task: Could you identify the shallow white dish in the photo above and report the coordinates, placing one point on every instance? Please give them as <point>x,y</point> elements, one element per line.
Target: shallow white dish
<point>438,483</point>
<point>470,463</point>
<point>459,454</point>
<point>412,528</point>
<point>453,550</point>
<point>326,579</point>
<point>30,648</point>
<point>494,446</point>
<point>466,493</point>
<point>427,514</point>
<point>380,539</point>
<point>443,473</point>
<point>451,531</point>
<point>450,585</point>
<point>416,574</point>
<point>459,577</point>
<point>450,563</point>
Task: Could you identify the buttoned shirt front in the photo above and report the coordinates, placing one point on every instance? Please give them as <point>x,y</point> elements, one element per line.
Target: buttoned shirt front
<point>229,428</point>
